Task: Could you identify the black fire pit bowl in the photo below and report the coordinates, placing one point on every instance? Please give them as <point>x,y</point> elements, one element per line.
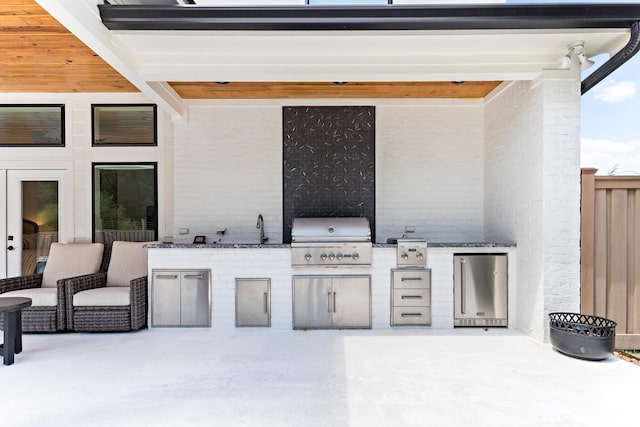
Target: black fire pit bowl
<point>582,336</point>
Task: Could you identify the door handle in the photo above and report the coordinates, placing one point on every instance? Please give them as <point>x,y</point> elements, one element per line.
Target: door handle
<point>334,302</point>
<point>265,303</point>
<point>463,298</point>
<point>329,302</point>
<point>10,248</point>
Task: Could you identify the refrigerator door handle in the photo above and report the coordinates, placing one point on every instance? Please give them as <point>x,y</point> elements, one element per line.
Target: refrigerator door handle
<point>463,298</point>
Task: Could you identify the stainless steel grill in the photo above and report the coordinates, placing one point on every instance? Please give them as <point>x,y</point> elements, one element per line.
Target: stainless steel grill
<point>331,242</point>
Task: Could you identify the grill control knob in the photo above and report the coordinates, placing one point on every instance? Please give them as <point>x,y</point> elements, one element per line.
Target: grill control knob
<point>307,257</point>
<point>339,256</point>
<point>332,256</point>
<point>355,256</point>
<point>323,257</point>
<point>419,255</point>
<point>404,255</point>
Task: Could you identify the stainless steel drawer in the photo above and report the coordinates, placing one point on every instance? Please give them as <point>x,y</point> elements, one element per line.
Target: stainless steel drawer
<point>412,316</point>
<point>411,278</point>
<point>411,297</point>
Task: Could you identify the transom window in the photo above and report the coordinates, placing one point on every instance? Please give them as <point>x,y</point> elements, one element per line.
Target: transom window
<point>32,125</point>
<point>123,125</point>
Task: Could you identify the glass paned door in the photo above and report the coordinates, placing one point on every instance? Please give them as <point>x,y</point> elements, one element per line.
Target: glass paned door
<point>39,223</point>
<point>33,219</point>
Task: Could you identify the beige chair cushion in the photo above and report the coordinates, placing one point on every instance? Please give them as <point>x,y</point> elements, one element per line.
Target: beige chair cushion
<point>110,295</point>
<point>40,297</point>
<point>70,260</point>
<point>128,262</point>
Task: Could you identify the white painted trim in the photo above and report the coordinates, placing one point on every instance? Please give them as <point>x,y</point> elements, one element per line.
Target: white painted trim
<point>3,225</point>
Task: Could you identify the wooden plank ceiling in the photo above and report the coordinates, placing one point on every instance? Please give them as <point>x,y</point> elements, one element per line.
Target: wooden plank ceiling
<point>251,90</point>
<point>40,55</point>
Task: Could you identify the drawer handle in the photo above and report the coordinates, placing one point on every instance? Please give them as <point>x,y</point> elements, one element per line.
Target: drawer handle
<point>407,279</point>
<point>411,297</point>
<point>411,315</point>
<point>166,276</point>
<point>193,276</point>
<point>266,308</point>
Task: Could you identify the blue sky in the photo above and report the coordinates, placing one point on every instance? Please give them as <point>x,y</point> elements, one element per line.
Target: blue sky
<point>610,128</point>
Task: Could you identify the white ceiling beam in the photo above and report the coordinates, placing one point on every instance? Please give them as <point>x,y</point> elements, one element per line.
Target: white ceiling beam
<point>83,20</point>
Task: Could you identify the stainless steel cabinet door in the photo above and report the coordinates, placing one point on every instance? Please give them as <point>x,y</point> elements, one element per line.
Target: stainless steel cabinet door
<point>351,303</point>
<point>253,302</point>
<point>312,302</point>
<point>165,298</point>
<point>195,305</point>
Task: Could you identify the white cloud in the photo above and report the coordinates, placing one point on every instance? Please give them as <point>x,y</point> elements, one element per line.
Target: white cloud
<point>612,91</point>
<point>606,155</point>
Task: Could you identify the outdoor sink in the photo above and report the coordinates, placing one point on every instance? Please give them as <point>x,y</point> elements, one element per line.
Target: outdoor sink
<point>394,240</point>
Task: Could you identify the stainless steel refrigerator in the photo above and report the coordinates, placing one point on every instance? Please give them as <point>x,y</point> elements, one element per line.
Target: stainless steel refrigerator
<point>480,289</point>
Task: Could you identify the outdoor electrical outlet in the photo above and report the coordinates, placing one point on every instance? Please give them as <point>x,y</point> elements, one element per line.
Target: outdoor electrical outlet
<point>221,231</point>
<point>183,231</point>
<point>409,229</point>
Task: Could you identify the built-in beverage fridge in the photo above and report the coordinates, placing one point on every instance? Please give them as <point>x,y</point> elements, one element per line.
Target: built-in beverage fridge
<point>480,289</point>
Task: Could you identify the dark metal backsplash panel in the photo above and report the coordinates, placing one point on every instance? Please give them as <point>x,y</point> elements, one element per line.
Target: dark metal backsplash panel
<point>329,163</point>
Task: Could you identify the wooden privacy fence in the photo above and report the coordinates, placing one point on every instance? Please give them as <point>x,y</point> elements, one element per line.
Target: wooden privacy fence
<point>610,252</point>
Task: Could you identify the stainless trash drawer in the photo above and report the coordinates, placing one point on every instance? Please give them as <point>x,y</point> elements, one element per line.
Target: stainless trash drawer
<point>420,316</point>
<point>411,297</point>
<point>411,278</point>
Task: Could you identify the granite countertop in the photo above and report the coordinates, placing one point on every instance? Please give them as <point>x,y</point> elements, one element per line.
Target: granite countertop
<point>287,245</point>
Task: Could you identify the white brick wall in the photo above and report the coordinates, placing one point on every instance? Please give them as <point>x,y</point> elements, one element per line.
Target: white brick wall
<point>227,170</point>
<point>532,194</point>
<point>429,169</point>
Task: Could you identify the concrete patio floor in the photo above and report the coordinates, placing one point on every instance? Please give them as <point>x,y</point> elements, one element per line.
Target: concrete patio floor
<point>263,377</point>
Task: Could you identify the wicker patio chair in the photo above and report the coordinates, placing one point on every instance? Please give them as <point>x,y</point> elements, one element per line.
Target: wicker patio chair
<point>47,290</point>
<point>115,300</point>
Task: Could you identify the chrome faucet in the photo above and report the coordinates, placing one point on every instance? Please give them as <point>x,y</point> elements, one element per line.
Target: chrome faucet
<point>260,226</point>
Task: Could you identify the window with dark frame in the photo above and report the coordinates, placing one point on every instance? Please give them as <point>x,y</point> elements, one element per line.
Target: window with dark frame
<point>125,202</point>
<point>124,125</point>
<point>33,125</point>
